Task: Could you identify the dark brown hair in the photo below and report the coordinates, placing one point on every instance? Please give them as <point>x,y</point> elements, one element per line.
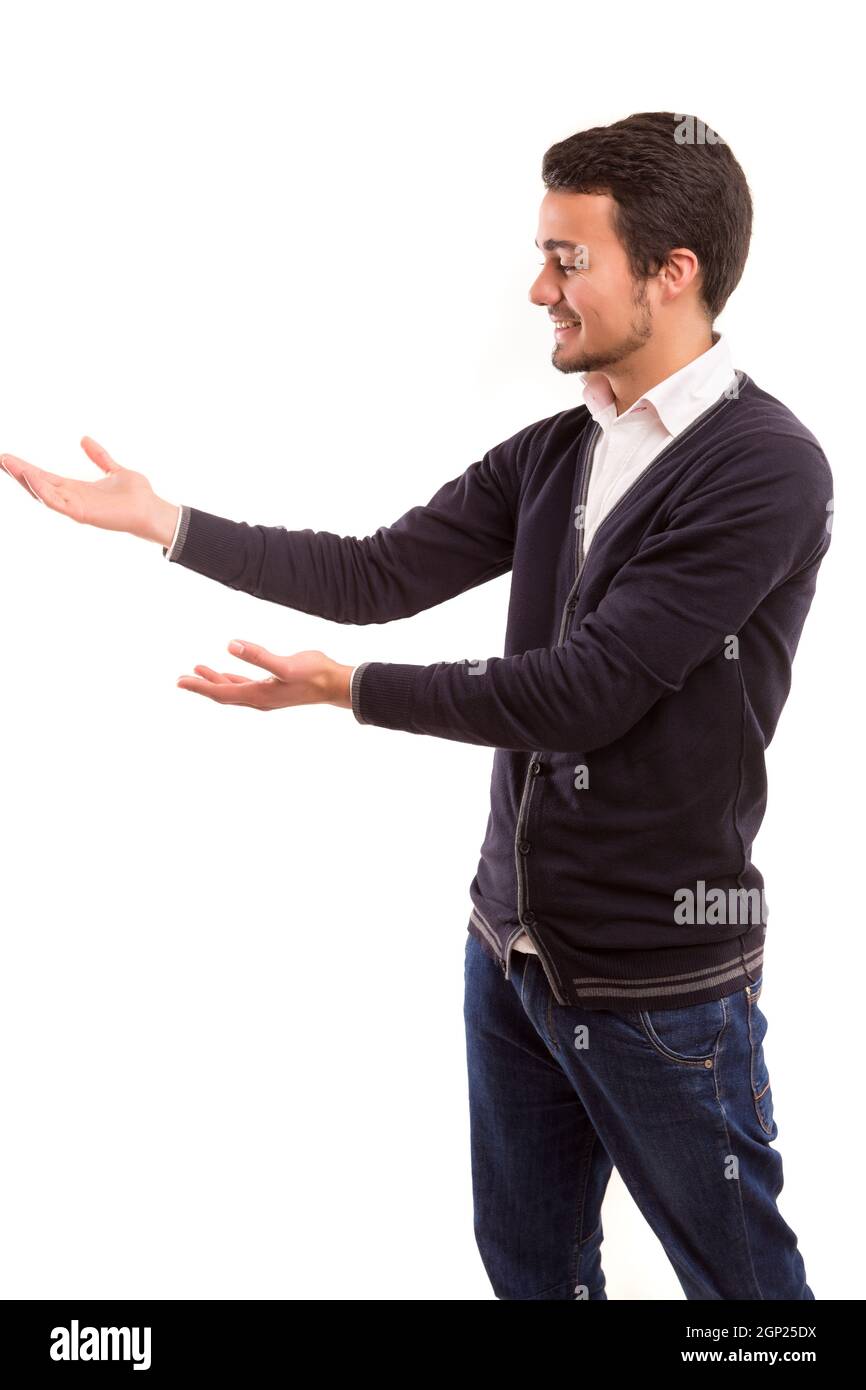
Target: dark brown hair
<point>674,183</point>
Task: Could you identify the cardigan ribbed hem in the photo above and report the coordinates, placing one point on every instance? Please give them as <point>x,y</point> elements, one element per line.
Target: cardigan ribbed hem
<point>631,980</point>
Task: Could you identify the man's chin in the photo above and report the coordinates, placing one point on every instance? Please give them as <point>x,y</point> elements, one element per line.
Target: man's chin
<point>563,363</point>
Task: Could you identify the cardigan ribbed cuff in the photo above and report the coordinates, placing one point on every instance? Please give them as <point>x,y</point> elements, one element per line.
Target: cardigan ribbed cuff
<point>354,690</point>
<point>180,530</point>
<point>209,544</point>
<point>382,694</point>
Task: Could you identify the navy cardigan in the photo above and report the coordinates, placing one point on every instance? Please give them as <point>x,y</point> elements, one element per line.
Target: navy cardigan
<point>638,689</point>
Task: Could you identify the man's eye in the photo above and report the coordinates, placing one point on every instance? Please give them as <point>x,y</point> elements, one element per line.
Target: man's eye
<point>566,268</point>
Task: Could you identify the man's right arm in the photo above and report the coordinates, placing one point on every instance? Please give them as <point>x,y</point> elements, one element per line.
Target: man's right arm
<point>461,538</point>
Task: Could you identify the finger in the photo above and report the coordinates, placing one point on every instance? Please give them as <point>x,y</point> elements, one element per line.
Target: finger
<point>101,457</point>
<point>58,499</point>
<point>210,674</point>
<point>41,491</point>
<point>15,467</point>
<point>198,684</point>
<point>221,676</point>
<point>14,470</point>
<point>227,694</point>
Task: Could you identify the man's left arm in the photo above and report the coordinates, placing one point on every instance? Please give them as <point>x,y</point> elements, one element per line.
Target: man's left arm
<point>670,608</point>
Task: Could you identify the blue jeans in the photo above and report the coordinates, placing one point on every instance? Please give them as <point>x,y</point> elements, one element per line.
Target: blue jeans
<point>678,1100</point>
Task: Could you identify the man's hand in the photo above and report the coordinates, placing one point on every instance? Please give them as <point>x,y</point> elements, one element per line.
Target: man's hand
<point>307,678</point>
<point>121,501</point>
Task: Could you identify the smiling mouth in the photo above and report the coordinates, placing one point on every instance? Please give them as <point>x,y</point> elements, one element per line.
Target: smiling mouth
<point>561,327</point>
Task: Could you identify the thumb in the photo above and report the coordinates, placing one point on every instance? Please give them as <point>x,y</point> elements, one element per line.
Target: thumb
<point>101,457</point>
<point>259,656</point>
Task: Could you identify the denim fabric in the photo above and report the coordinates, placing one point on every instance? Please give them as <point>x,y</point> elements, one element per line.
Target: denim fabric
<point>678,1100</point>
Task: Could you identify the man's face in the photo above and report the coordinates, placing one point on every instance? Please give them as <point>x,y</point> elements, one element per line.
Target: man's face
<point>611,317</point>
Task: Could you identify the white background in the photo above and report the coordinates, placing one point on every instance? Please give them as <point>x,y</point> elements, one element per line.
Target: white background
<point>278,260</point>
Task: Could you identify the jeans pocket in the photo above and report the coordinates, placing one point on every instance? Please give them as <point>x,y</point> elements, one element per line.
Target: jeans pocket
<point>687,1036</point>
<point>762,1095</point>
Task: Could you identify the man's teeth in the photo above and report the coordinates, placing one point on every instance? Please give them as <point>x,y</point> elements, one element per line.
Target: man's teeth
<point>566,323</point>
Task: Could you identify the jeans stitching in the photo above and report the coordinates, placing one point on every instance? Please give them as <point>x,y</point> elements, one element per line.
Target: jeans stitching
<point>669,1055</point>
<point>751,1000</point>
<point>717,1070</point>
<point>551,1040</point>
<point>577,1243</point>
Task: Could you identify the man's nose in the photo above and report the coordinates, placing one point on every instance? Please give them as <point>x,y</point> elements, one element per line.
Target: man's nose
<point>543,291</point>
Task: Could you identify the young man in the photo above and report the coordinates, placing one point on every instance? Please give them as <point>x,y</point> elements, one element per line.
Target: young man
<point>664,538</point>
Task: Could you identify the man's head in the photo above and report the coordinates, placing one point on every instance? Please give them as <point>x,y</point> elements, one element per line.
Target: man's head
<point>664,213</point>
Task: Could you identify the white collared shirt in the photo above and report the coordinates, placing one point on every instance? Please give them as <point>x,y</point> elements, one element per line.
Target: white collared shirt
<point>630,441</point>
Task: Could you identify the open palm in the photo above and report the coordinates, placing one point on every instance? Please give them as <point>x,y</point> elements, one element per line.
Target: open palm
<point>306,678</point>
<point>121,501</point>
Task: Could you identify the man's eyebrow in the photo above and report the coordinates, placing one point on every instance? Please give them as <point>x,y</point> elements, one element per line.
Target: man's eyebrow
<point>551,245</point>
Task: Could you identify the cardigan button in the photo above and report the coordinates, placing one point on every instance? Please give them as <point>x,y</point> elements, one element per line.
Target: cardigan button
<point>535,767</point>
<point>528,919</point>
<point>524,847</point>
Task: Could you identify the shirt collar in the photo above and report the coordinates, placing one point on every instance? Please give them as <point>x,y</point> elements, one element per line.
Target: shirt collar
<point>677,399</point>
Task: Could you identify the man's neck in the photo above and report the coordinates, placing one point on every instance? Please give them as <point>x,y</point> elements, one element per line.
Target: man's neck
<point>639,377</point>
